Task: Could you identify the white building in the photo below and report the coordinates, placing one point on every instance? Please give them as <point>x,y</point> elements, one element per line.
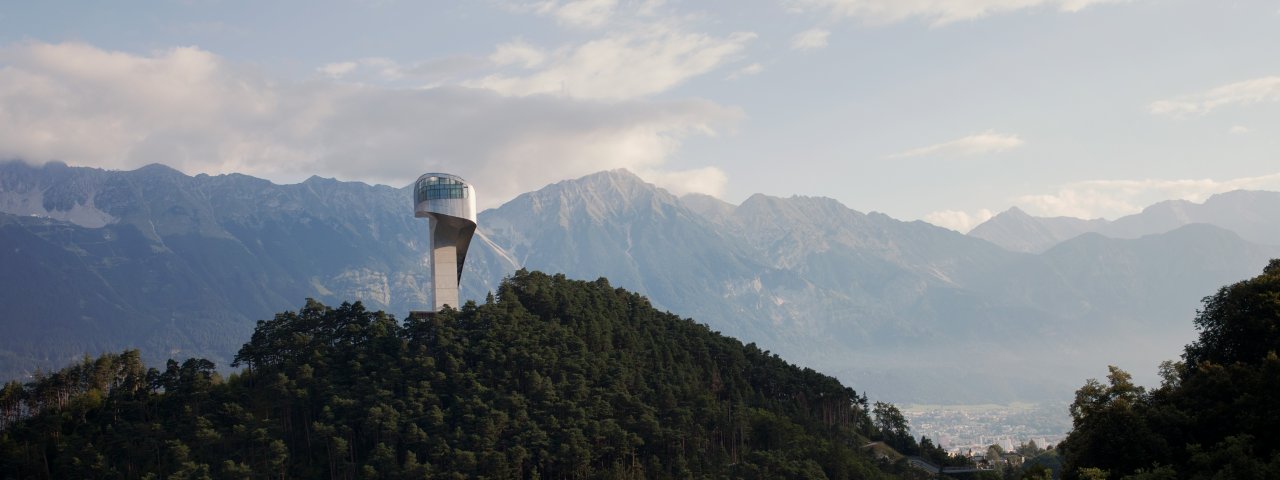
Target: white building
<point>449,202</point>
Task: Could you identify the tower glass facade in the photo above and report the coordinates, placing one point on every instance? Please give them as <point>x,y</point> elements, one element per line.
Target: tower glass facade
<point>449,203</point>
<point>440,187</point>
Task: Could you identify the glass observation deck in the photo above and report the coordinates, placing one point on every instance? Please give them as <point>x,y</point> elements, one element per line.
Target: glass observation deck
<point>440,187</point>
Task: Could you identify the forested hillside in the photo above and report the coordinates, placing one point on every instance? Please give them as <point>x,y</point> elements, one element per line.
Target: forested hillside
<point>550,378</point>
<point>1215,415</point>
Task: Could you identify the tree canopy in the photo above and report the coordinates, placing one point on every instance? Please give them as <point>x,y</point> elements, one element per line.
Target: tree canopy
<point>549,378</point>
<point>1215,415</point>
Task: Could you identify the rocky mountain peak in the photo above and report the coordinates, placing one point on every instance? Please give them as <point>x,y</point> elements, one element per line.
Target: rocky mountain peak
<point>618,184</point>
<point>596,197</point>
<point>1016,230</point>
<point>1013,212</point>
<point>159,170</point>
<point>796,207</point>
<point>318,180</point>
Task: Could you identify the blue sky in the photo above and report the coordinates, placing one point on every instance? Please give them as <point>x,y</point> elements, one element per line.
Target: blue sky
<point>944,110</point>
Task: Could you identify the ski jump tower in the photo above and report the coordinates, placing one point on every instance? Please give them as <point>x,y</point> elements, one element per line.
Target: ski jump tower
<point>449,203</point>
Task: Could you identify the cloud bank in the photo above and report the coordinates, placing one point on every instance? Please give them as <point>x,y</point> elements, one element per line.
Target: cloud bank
<point>1107,198</point>
<point>747,71</point>
<point>1117,198</point>
<point>983,143</point>
<point>959,220</point>
<point>572,13</point>
<point>193,110</point>
<point>620,65</point>
<point>937,12</point>
<point>1257,90</point>
<point>811,39</point>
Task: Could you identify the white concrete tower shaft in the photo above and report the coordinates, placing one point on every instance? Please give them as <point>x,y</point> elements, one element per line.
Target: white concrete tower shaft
<point>449,203</point>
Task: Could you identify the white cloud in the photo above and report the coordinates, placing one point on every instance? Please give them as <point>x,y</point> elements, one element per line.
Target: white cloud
<point>939,12</point>
<point>983,143</point>
<point>1258,90</point>
<point>586,13</point>
<point>747,71</point>
<point>1116,198</point>
<point>517,52</point>
<point>574,13</point>
<point>706,180</point>
<point>959,220</point>
<point>192,110</point>
<point>385,70</point>
<point>1239,129</point>
<point>811,39</point>
<point>650,7</point>
<point>623,65</point>
<point>337,70</point>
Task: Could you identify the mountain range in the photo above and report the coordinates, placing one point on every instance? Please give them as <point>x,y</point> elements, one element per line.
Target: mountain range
<point>1250,214</point>
<point>1019,309</point>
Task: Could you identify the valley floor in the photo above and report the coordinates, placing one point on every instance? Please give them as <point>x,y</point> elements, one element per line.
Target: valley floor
<point>962,429</point>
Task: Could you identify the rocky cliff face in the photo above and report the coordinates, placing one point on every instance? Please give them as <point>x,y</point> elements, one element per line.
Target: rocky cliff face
<point>178,265</point>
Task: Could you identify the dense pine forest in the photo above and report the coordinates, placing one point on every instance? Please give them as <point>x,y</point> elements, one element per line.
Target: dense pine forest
<point>1216,414</point>
<point>549,378</point>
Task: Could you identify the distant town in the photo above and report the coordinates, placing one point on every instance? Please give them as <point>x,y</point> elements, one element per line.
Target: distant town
<point>970,429</point>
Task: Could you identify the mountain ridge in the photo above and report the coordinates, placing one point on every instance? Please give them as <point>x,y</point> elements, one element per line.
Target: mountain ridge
<point>194,261</point>
<point>1253,214</point>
